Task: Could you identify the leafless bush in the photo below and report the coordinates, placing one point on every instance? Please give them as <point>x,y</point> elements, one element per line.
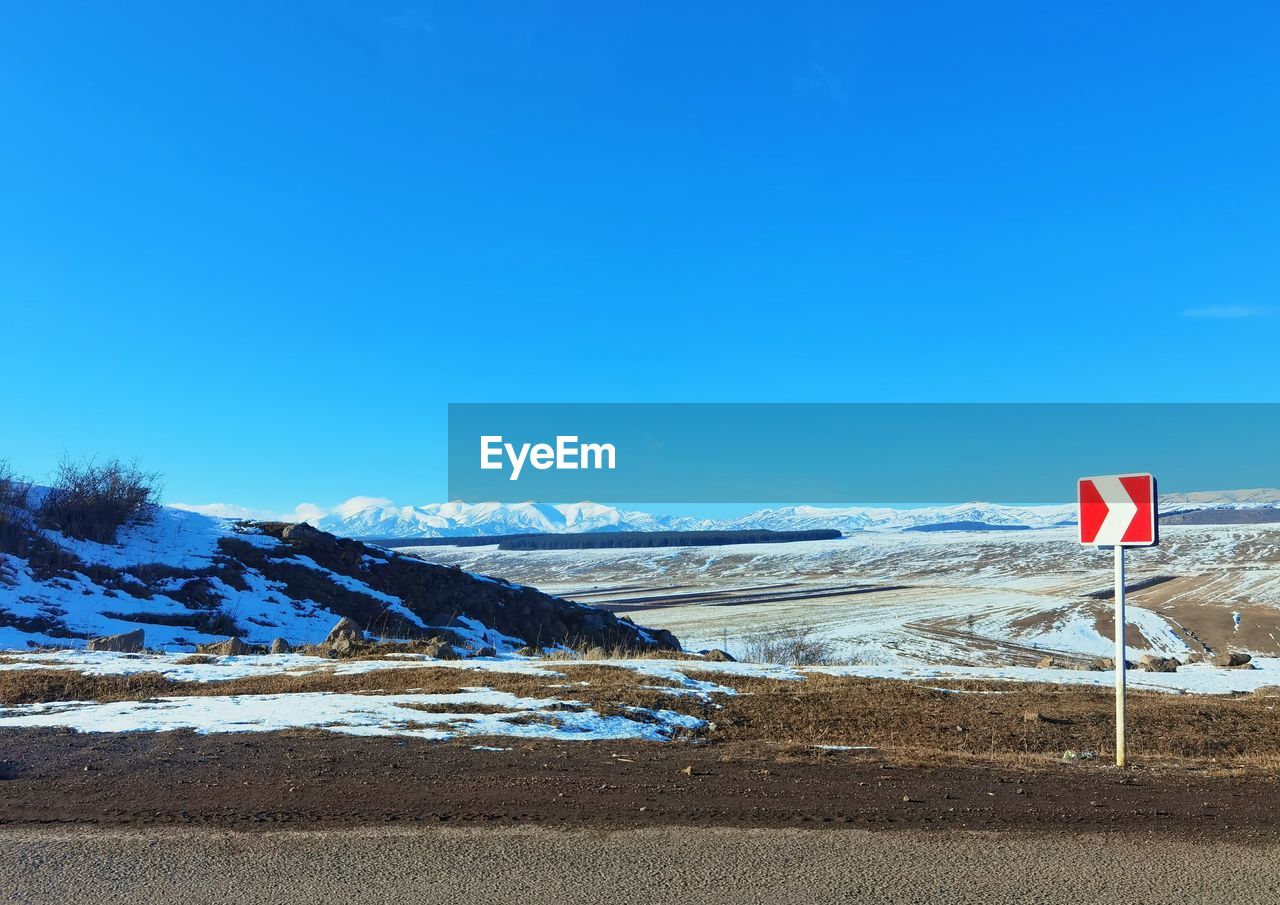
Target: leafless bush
<point>788,647</point>
<point>92,502</point>
<point>13,490</point>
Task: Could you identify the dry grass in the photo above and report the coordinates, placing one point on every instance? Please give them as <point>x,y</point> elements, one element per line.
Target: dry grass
<point>594,685</point>
<point>1028,726</point>
<point>992,719</point>
<point>587,649</point>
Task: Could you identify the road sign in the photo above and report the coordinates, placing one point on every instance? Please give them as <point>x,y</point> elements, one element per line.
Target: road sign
<point>1118,511</point>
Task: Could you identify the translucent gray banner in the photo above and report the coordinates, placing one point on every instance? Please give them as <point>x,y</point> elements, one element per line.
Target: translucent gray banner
<point>849,453</point>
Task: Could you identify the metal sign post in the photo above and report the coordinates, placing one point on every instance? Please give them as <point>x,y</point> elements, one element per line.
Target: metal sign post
<point>1119,511</point>
<point>1120,658</point>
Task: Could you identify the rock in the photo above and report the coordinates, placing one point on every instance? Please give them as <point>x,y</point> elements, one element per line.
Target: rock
<point>344,646</point>
<point>485,652</point>
<point>346,628</point>
<point>717,655</point>
<point>280,646</point>
<point>304,534</point>
<point>528,651</point>
<point>232,647</point>
<point>125,643</point>
<point>1152,663</point>
<point>1197,656</point>
<point>440,649</point>
<point>664,638</point>
<point>1051,663</point>
<point>1230,661</point>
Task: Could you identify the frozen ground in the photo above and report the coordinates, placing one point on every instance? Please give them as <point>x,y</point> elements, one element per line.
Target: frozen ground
<point>438,716</point>
<point>909,600</point>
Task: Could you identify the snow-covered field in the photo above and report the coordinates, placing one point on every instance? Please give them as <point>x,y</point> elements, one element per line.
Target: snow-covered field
<point>922,606</point>
<point>905,599</point>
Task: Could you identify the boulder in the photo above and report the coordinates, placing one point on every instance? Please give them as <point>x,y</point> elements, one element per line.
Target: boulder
<point>1197,656</point>
<point>1230,661</point>
<point>716,655</point>
<point>280,646</point>
<point>232,647</point>
<point>303,534</point>
<point>485,652</point>
<point>346,628</point>
<point>528,651</point>
<point>440,649</point>
<point>1152,663</point>
<point>125,643</point>
<point>1052,663</point>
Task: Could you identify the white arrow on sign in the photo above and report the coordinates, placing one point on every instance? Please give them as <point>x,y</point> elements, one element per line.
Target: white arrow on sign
<point>1120,510</point>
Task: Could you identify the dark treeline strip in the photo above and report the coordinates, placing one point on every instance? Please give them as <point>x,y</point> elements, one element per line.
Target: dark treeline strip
<point>606,540</point>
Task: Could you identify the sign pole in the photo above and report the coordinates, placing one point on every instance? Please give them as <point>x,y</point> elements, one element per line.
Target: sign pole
<point>1118,511</point>
<point>1119,655</point>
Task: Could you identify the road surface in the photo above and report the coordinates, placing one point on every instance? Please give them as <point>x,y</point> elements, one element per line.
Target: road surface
<point>537,865</point>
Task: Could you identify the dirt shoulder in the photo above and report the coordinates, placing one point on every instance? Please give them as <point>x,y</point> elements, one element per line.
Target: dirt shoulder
<point>314,780</point>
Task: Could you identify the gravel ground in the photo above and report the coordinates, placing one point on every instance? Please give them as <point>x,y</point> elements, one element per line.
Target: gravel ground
<point>672,864</point>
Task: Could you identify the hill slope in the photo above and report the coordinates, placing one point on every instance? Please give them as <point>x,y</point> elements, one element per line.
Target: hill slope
<point>190,579</point>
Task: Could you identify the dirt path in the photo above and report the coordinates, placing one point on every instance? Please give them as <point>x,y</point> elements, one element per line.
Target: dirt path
<point>673,865</point>
<point>310,780</point>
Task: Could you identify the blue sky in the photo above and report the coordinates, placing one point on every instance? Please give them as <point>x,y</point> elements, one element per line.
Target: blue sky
<point>261,246</point>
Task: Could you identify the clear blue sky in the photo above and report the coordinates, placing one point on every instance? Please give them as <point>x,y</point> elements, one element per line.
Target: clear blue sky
<point>261,245</point>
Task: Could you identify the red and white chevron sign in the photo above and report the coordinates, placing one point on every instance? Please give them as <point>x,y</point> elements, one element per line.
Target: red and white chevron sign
<point>1118,510</point>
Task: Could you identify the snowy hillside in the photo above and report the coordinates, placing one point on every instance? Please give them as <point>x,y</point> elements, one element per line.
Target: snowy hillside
<point>187,579</point>
<point>489,519</point>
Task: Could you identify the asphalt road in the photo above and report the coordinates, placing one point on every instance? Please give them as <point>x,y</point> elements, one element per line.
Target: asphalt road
<point>667,865</point>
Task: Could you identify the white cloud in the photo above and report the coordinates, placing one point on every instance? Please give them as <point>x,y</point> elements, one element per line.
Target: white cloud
<point>356,503</point>
<point>224,510</point>
<point>1224,312</point>
<point>303,512</point>
<point>306,512</point>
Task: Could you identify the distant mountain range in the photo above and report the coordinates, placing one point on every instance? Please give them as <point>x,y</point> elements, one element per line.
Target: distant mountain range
<point>459,519</point>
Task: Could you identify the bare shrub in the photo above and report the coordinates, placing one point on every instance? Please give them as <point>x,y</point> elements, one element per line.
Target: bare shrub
<point>14,491</point>
<point>14,519</point>
<point>92,502</point>
<point>788,647</point>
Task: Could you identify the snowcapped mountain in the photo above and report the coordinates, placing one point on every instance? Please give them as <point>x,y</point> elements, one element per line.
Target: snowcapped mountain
<point>1259,498</point>
<point>860,518</point>
<point>459,519</point>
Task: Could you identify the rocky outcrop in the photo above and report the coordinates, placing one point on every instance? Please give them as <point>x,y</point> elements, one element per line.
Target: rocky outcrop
<point>438,595</point>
